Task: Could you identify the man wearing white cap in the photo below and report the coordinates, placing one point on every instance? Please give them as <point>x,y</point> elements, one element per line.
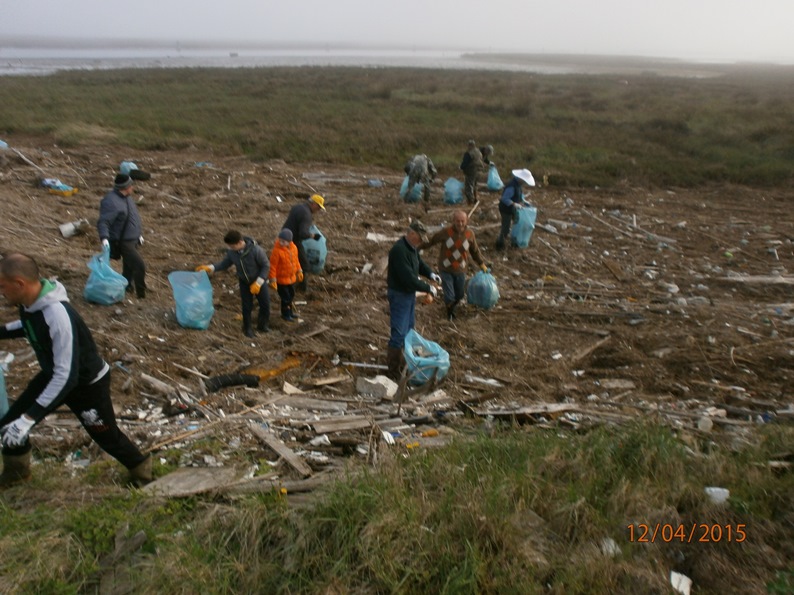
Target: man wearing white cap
<point>512,200</point>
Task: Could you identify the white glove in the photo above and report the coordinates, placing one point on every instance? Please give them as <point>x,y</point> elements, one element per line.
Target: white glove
<point>435,277</point>
<point>140,240</point>
<point>105,244</point>
<point>433,291</point>
<point>15,433</point>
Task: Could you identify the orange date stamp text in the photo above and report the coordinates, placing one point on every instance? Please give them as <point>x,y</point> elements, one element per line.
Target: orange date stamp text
<point>692,533</point>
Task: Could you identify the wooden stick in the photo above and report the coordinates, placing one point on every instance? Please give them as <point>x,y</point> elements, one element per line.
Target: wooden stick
<point>28,161</point>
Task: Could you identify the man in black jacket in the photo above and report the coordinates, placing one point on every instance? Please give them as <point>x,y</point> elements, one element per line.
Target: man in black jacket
<point>72,373</point>
<point>121,232</point>
<point>299,222</point>
<point>405,266</point>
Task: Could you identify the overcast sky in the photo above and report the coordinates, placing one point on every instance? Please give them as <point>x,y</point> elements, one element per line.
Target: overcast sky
<point>708,30</point>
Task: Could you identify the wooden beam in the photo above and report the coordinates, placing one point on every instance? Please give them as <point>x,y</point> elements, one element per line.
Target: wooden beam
<point>283,451</point>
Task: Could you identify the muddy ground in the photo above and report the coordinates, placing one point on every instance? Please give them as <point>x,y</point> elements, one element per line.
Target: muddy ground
<point>673,303</point>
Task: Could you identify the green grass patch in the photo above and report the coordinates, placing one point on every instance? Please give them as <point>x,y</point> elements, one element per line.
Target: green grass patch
<point>577,130</point>
<point>517,511</point>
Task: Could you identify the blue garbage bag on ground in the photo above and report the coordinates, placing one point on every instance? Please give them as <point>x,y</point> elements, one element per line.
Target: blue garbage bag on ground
<point>424,358</point>
<point>524,226</point>
<point>104,286</point>
<point>193,297</point>
<point>414,195</point>
<point>453,192</point>
<point>494,183</point>
<point>482,290</point>
<point>316,251</point>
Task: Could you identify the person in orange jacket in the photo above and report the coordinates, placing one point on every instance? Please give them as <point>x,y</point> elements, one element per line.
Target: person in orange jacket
<point>285,271</point>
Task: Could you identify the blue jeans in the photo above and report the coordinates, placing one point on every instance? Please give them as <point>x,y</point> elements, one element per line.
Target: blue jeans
<point>402,309</point>
<point>452,286</point>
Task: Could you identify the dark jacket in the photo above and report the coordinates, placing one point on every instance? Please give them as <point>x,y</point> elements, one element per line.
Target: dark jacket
<point>405,266</point>
<point>299,221</point>
<point>511,195</point>
<point>472,162</point>
<point>251,262</point>
<point>114,210</point>
<point>63,345</point>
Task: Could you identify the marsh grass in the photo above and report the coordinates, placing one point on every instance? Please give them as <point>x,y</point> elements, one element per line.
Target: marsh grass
<point>577,130</point>
<point>512,512</point>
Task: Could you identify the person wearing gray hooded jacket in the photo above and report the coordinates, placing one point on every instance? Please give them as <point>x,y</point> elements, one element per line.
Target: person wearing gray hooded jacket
<point>252,265</point>
<point>72,373</point>
<point>121,232</point>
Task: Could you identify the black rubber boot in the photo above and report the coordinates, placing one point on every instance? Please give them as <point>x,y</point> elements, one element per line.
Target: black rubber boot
<point>451,311</point>
<point>262,324</point>
<point>142,474</point>
<point>16,469</point>
<point>394,362</point>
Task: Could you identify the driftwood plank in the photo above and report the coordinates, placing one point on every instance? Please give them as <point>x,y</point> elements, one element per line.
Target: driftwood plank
<point>540,409</point>
<point>339,424</point>
<point>192,480</point>
<point>283,451</point>
<point>315,404</point>
<point>325,381</point>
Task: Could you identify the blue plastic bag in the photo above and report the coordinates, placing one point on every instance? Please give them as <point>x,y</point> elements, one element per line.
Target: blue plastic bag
<point>453,192</point>
<point>424,358</point>
<point>104,286</point>
<point>523,228</point>
<point>494,183</point>
<point>414,195</point>
<point>316,251</point>
<point>193,297</point>
<point>482,290</point>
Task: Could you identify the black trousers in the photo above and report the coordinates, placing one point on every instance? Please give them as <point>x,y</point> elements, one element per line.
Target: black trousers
<point>507,214</point>
<point>133,269</point>
<point>247,299</point>
<point>91,404</point>
<point>287,295</point>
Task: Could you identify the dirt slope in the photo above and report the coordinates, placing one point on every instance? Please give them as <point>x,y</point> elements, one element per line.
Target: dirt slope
<point>635,298</point>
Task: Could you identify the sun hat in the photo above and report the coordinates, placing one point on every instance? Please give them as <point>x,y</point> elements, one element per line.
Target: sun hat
<point>316,198</point>
<point>524,175</point>
<point>285,234</point>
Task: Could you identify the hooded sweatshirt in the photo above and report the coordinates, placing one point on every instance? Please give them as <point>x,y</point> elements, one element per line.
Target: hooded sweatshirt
<point>63,345</point>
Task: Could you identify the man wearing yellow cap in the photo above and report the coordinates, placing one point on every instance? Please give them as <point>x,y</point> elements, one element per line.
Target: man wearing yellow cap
<point>299,222</point>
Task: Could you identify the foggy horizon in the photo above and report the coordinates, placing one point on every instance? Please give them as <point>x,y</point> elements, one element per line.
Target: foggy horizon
<point>706,31</point>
